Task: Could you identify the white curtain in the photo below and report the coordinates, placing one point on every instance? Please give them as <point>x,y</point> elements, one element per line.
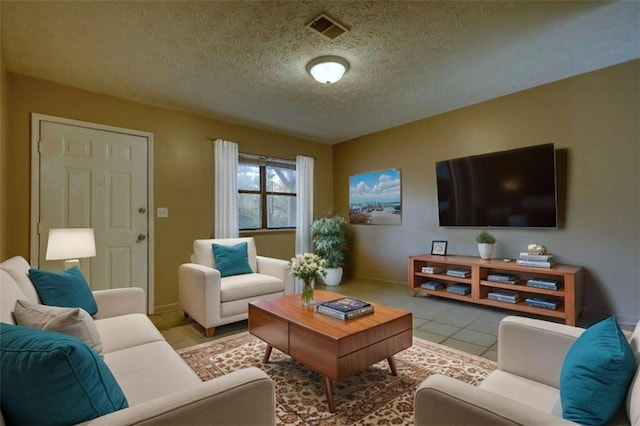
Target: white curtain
<point>226,187</point>
<point>304,211</point>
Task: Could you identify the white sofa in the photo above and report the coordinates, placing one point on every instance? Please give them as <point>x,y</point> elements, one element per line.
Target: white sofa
<point>211,300</point>
<point>159,386</point>
<point>524,390</point>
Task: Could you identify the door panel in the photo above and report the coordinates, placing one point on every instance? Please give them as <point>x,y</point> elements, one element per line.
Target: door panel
<point>97,178</point>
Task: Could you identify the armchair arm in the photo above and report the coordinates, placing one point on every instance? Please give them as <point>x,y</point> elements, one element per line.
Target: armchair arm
<point>276,268</point>
<point>534,349</point>
<point>199,293</point>
<point>442,400</point>
<point>244,397</point>
<point>120,301</point>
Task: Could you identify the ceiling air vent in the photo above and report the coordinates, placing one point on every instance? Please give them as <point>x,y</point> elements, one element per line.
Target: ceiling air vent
<point>328,27</point>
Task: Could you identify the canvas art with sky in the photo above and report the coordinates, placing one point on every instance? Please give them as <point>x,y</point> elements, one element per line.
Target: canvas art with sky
<point>375,198</point>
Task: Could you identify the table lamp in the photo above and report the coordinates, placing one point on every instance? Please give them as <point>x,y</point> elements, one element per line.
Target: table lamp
<point>70,244</point>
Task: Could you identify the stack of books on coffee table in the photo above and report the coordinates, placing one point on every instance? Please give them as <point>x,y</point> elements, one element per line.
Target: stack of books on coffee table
<point>345,308</point>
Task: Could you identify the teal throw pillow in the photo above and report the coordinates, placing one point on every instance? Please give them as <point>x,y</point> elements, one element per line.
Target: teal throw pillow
<point>596,373</point>
<point>53,378</point>
<point>67,289</point>
<point>231,260</point>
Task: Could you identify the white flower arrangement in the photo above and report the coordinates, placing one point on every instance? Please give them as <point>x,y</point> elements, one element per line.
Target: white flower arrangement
<point>307,266</point>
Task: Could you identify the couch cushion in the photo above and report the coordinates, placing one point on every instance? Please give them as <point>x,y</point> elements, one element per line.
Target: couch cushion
<point>632,404</point>
<point>203,255</point>
<point>75,322</point>
<point>9,294</point>
<point>249,285</point>
<point>231,260</point>
<point>528,392</point>
<point>67,289</point>
<point>596,373</point>
<point>18,269</point>
<point>149,371</point>
<point>126,331</point>
<point>52,378</point>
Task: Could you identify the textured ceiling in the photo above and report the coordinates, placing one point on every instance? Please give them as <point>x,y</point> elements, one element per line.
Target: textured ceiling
<point>244,61</point>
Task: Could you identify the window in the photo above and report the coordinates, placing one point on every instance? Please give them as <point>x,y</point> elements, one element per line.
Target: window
<point>266,193</point>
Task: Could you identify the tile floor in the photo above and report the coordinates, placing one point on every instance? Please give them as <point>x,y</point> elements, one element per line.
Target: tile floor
<point>464,326</point>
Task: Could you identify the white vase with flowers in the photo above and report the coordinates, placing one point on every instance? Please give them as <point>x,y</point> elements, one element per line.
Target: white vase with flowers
<point>307,267</point>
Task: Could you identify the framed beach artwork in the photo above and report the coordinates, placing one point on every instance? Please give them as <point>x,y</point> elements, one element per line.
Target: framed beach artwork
<point>375,198</point>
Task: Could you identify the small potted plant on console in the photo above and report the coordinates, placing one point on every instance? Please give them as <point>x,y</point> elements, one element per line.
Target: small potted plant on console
<point>485,242</point>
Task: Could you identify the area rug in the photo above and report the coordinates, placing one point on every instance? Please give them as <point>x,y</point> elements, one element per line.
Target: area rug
<point>371,397</point>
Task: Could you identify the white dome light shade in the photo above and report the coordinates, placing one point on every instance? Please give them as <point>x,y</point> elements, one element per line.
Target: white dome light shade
<point>327,69</point>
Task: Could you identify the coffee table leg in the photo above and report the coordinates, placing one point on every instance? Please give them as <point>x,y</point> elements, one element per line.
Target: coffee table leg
<point>392,366</point>
<point>328,389</point>
<point>267,354</point>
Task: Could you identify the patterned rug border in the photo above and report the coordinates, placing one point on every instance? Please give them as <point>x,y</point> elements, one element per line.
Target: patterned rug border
<point>418,340</point>
<point>213,341</point>
<point>371,397</point>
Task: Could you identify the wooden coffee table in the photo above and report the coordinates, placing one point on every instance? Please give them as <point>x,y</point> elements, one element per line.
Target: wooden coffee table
<point>332,347</point>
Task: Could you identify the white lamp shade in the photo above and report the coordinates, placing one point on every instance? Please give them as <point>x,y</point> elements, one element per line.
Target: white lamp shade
<point>327,69</point>
<point>70,243</point>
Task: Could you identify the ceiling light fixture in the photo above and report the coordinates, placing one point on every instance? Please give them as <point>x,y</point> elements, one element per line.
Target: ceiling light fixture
<point>327,69</point>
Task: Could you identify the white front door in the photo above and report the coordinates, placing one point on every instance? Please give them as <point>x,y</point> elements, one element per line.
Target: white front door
<point>96,178</point>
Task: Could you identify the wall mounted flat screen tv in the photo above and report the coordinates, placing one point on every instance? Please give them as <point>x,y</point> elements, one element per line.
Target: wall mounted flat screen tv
<point>515,188</point>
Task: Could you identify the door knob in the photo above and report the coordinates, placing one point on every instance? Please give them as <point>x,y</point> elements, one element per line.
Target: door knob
<point>142,210</point>
<point>141,237</point>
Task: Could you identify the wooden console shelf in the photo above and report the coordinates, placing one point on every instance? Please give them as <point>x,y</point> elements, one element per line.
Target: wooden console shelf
<point>569,293</point>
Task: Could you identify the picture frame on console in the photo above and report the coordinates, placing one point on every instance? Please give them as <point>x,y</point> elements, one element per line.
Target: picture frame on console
<point>439,248</point>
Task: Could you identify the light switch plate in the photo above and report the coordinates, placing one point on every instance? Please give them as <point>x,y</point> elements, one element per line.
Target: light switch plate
<point>163,212</point>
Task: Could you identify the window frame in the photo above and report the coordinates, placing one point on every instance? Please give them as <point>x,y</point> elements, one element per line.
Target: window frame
<point>262,163</point>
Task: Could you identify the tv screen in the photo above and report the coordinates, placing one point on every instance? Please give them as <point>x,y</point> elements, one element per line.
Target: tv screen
<point>515,188</point>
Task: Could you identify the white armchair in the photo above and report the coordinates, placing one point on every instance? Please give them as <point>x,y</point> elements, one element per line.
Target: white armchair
<point>212,300</point>
<point>524,390</point>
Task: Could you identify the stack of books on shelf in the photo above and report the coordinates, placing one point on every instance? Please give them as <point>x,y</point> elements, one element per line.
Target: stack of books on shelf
<point>460,289</point>
<point>507,296</point>
<point>503,278</point>
<point>432,269</point>
<point>543,302</point>
<point>536,260</point>
<point>459,272</point>
<point>545,283</point>
<point>345,308</point>
<point>432,285</point>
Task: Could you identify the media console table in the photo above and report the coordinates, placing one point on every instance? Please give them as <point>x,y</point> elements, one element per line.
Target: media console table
<point>570,278</point>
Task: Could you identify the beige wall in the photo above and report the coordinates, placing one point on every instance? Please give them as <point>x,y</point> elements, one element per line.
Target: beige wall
<point>3,144</point>
<point>594,117</point>
<point>183,169</point>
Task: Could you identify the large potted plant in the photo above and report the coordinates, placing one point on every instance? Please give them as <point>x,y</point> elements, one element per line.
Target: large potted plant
<point>329,237</point>
<point>485,242</point>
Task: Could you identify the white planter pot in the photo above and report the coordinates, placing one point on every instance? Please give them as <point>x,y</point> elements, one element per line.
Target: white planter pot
<point>334,276</point>
<point>485,250</point>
